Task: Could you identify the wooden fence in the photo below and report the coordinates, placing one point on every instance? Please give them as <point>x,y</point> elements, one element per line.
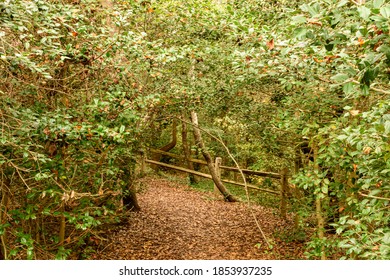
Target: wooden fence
<point>282,176</point>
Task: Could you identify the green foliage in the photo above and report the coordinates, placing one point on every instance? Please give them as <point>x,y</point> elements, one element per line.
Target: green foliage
<point>67,142</point>
<point>83,87</point>
<point>364,154</point>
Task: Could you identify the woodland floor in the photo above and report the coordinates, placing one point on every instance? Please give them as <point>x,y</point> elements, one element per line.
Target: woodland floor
<point>179,223</point>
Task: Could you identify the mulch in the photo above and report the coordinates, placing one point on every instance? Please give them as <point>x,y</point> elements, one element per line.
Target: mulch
<point>177,222</point>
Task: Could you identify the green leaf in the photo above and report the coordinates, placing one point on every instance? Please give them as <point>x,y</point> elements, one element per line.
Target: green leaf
<point>340,77</point>
<point>342,3</point>
<point>385,11</point>
<point>47,76</point>
<point>300,33</point>
<point>342,137</point>
<point>375,192</point>
<point>23,240</point>
<point>30,254</point>
<point>364,12</point>
<point>386,238</point>
<point>369,76</point>
<point>378,3</point>
<point>314,9</point>
<point>13,252</point>
<point>122,129</point>
<point>298,19</point>
<point>387,127</point>
<point>348,88</point>
<point>345,245</point>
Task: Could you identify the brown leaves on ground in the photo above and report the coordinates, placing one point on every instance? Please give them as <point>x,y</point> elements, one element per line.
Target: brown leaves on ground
<point>178,223</point>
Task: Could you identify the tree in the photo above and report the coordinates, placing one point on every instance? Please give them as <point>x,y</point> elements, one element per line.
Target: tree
<point>210,163</point>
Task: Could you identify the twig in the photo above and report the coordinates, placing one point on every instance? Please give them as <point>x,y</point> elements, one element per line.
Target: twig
<point>21,177</point>
<point>374,89</point>
<point>246,193</point>
<point>357,83</point>
<point>375,197</point>
<point>2,237</point>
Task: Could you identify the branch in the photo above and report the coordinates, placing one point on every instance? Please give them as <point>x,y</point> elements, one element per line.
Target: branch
<point>374,89</point>
<point>375,197</point>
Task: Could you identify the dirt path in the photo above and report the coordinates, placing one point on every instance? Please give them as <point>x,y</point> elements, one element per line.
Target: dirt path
<point>179,223</point>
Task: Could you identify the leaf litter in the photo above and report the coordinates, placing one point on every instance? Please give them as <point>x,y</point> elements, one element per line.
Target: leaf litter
<point>177,222</point>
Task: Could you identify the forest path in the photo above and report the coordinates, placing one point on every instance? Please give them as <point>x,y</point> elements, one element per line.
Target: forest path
<point>179,223</point>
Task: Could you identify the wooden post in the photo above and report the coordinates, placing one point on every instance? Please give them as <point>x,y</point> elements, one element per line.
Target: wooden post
<point>217,166</point>
<point>283,193</point>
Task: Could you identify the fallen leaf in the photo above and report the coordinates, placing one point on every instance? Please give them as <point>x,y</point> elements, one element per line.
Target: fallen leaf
<point>367,150</point>
<point>315,21</point>
<point>354,112</point>
<point>271,44</point>
<point>361,41</point>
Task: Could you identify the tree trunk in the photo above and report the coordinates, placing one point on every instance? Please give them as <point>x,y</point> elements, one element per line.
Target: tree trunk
<point>170,145</point>
<point>130,201</point>
<point>4,201</point>
<point>187,152</point>
<point>319,213</point>
<point>61,234</point>
<point>129,193</point>
<point>210,164</point>
<point>283,194</point>
<point>217,166</point>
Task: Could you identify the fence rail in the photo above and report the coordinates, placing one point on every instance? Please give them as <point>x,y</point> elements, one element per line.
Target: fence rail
<point>233,169</point>
<point>208,176</point>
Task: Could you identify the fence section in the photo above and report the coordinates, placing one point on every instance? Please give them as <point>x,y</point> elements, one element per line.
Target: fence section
<point>282,176</point>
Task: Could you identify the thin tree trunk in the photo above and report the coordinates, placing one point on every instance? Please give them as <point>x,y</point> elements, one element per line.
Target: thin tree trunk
<point>3,216</point>
<point>319,214</point>
<point>129,192</point>
<point>61,234</point>
<point>217,166</point>
<point>170,145</point>
<point>187,152</point>
<point>210,164</point>
<point>283,194</point>
<point>130,201</point>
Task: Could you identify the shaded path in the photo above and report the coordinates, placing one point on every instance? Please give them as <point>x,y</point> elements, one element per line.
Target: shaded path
<point>177,222</point>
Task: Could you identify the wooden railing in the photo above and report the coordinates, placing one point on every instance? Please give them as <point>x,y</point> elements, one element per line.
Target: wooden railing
<point>282,177</point>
